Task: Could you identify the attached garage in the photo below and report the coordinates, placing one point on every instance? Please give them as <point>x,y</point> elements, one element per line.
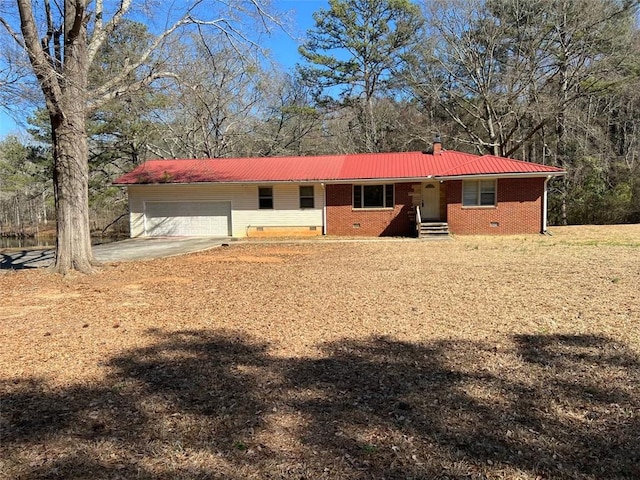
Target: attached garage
<point>195,219</point>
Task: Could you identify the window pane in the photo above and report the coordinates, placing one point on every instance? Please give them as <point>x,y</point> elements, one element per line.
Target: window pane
<point>487,199</point>
<point>487,192</point>
<point>487,186</point>
<point>306,191</point>
<point>373,196</point>
<point>388,196</point>
<point>266,203</point>
<point>306,202</point>
<point>265,191</point>
<point>470,192</point>
<point>357,196</point>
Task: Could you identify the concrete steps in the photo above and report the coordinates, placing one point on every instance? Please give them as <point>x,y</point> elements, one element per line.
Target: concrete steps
<point>434,230</point>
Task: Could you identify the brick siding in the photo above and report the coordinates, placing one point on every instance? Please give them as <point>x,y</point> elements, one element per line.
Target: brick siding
<point>343,219</point>
<point>518,209</point>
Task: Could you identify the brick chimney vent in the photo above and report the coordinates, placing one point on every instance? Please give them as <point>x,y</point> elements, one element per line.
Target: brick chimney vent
<point>437,145</point>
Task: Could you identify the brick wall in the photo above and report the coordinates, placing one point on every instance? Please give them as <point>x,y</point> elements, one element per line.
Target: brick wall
<point>518,209</point>
<point>343,219</point>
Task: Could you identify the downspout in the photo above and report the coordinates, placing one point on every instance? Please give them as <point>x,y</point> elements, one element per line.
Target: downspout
<point>324,209</point>
<point>544,205</point>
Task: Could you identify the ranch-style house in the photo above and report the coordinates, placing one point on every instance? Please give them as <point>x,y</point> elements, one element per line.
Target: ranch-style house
<point>378,194</point>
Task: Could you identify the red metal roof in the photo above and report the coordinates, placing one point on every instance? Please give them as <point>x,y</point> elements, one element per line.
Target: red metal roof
<point>330,168</point>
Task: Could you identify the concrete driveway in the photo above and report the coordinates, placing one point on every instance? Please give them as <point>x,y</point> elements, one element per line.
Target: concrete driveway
<point>123,251</point>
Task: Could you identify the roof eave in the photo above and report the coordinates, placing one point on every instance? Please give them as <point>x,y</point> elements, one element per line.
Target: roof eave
<point>224,182</point>
<point>360,180</point>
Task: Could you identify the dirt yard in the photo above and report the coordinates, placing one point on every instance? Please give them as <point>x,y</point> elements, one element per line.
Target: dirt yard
<point>508,357</point>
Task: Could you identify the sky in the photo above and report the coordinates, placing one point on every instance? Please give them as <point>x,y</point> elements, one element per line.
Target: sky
<point>284,48</point>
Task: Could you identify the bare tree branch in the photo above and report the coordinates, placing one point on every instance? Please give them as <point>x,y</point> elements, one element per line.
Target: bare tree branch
<point>119,90</point>
<point>101,31</point>
<point>42,67</point>
<point>12,32</point>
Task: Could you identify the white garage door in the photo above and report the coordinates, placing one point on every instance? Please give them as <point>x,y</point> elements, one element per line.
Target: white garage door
<point>187,219</point>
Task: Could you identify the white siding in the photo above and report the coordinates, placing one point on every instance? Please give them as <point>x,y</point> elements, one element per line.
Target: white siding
<point>244,204</point>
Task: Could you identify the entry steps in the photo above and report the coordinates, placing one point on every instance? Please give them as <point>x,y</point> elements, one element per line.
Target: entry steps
<point>433,230</point>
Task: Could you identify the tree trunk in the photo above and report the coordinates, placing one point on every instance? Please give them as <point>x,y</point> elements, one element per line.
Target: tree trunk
<point>44,207</point>
<point>561,117</point>
<point>70,180</point>
<point>70,150</point>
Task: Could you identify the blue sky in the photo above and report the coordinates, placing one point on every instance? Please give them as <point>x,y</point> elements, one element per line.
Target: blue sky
<point>283,47</point>
<point>286,52</point>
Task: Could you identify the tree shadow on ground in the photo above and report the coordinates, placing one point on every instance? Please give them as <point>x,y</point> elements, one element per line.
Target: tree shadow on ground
<point>26,259</point>
<point>217,405</point>
<point>555,406</point>
<point>187,395</point>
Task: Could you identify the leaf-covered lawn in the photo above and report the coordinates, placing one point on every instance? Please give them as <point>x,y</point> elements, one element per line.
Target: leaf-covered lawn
<point>481,357</point>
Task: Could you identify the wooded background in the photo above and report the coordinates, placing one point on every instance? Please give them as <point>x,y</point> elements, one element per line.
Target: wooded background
<point>547,81</point>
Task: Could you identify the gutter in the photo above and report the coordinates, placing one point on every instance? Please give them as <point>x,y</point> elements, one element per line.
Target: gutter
<point>503,175</point>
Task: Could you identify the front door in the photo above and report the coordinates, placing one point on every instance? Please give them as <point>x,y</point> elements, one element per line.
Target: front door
<point>430,209</point>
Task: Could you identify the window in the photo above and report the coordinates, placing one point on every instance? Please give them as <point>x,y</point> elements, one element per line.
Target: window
<point>478,193</point>
<point>306,197</point>
<point>265,198</point>
<point>373,196</point>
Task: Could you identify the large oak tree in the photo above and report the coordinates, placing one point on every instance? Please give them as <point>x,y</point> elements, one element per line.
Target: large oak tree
<point>62,41</point>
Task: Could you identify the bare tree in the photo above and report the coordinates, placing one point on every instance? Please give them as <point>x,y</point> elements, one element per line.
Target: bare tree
<point>506,69</point>
<point>217,95</point>
<point>288,123</point>
<point>485,80</point>
<point>61,55</point>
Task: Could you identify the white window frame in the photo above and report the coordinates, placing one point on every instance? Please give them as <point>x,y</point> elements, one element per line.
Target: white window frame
<point>307,197</point>
<point>478,194</point>
<point>384,186</point>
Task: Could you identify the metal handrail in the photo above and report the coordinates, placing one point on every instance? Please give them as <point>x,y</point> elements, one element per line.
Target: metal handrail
<point>418,219</point>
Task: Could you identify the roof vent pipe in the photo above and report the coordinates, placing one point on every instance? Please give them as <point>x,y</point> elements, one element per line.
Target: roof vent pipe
<point>437,145</point>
